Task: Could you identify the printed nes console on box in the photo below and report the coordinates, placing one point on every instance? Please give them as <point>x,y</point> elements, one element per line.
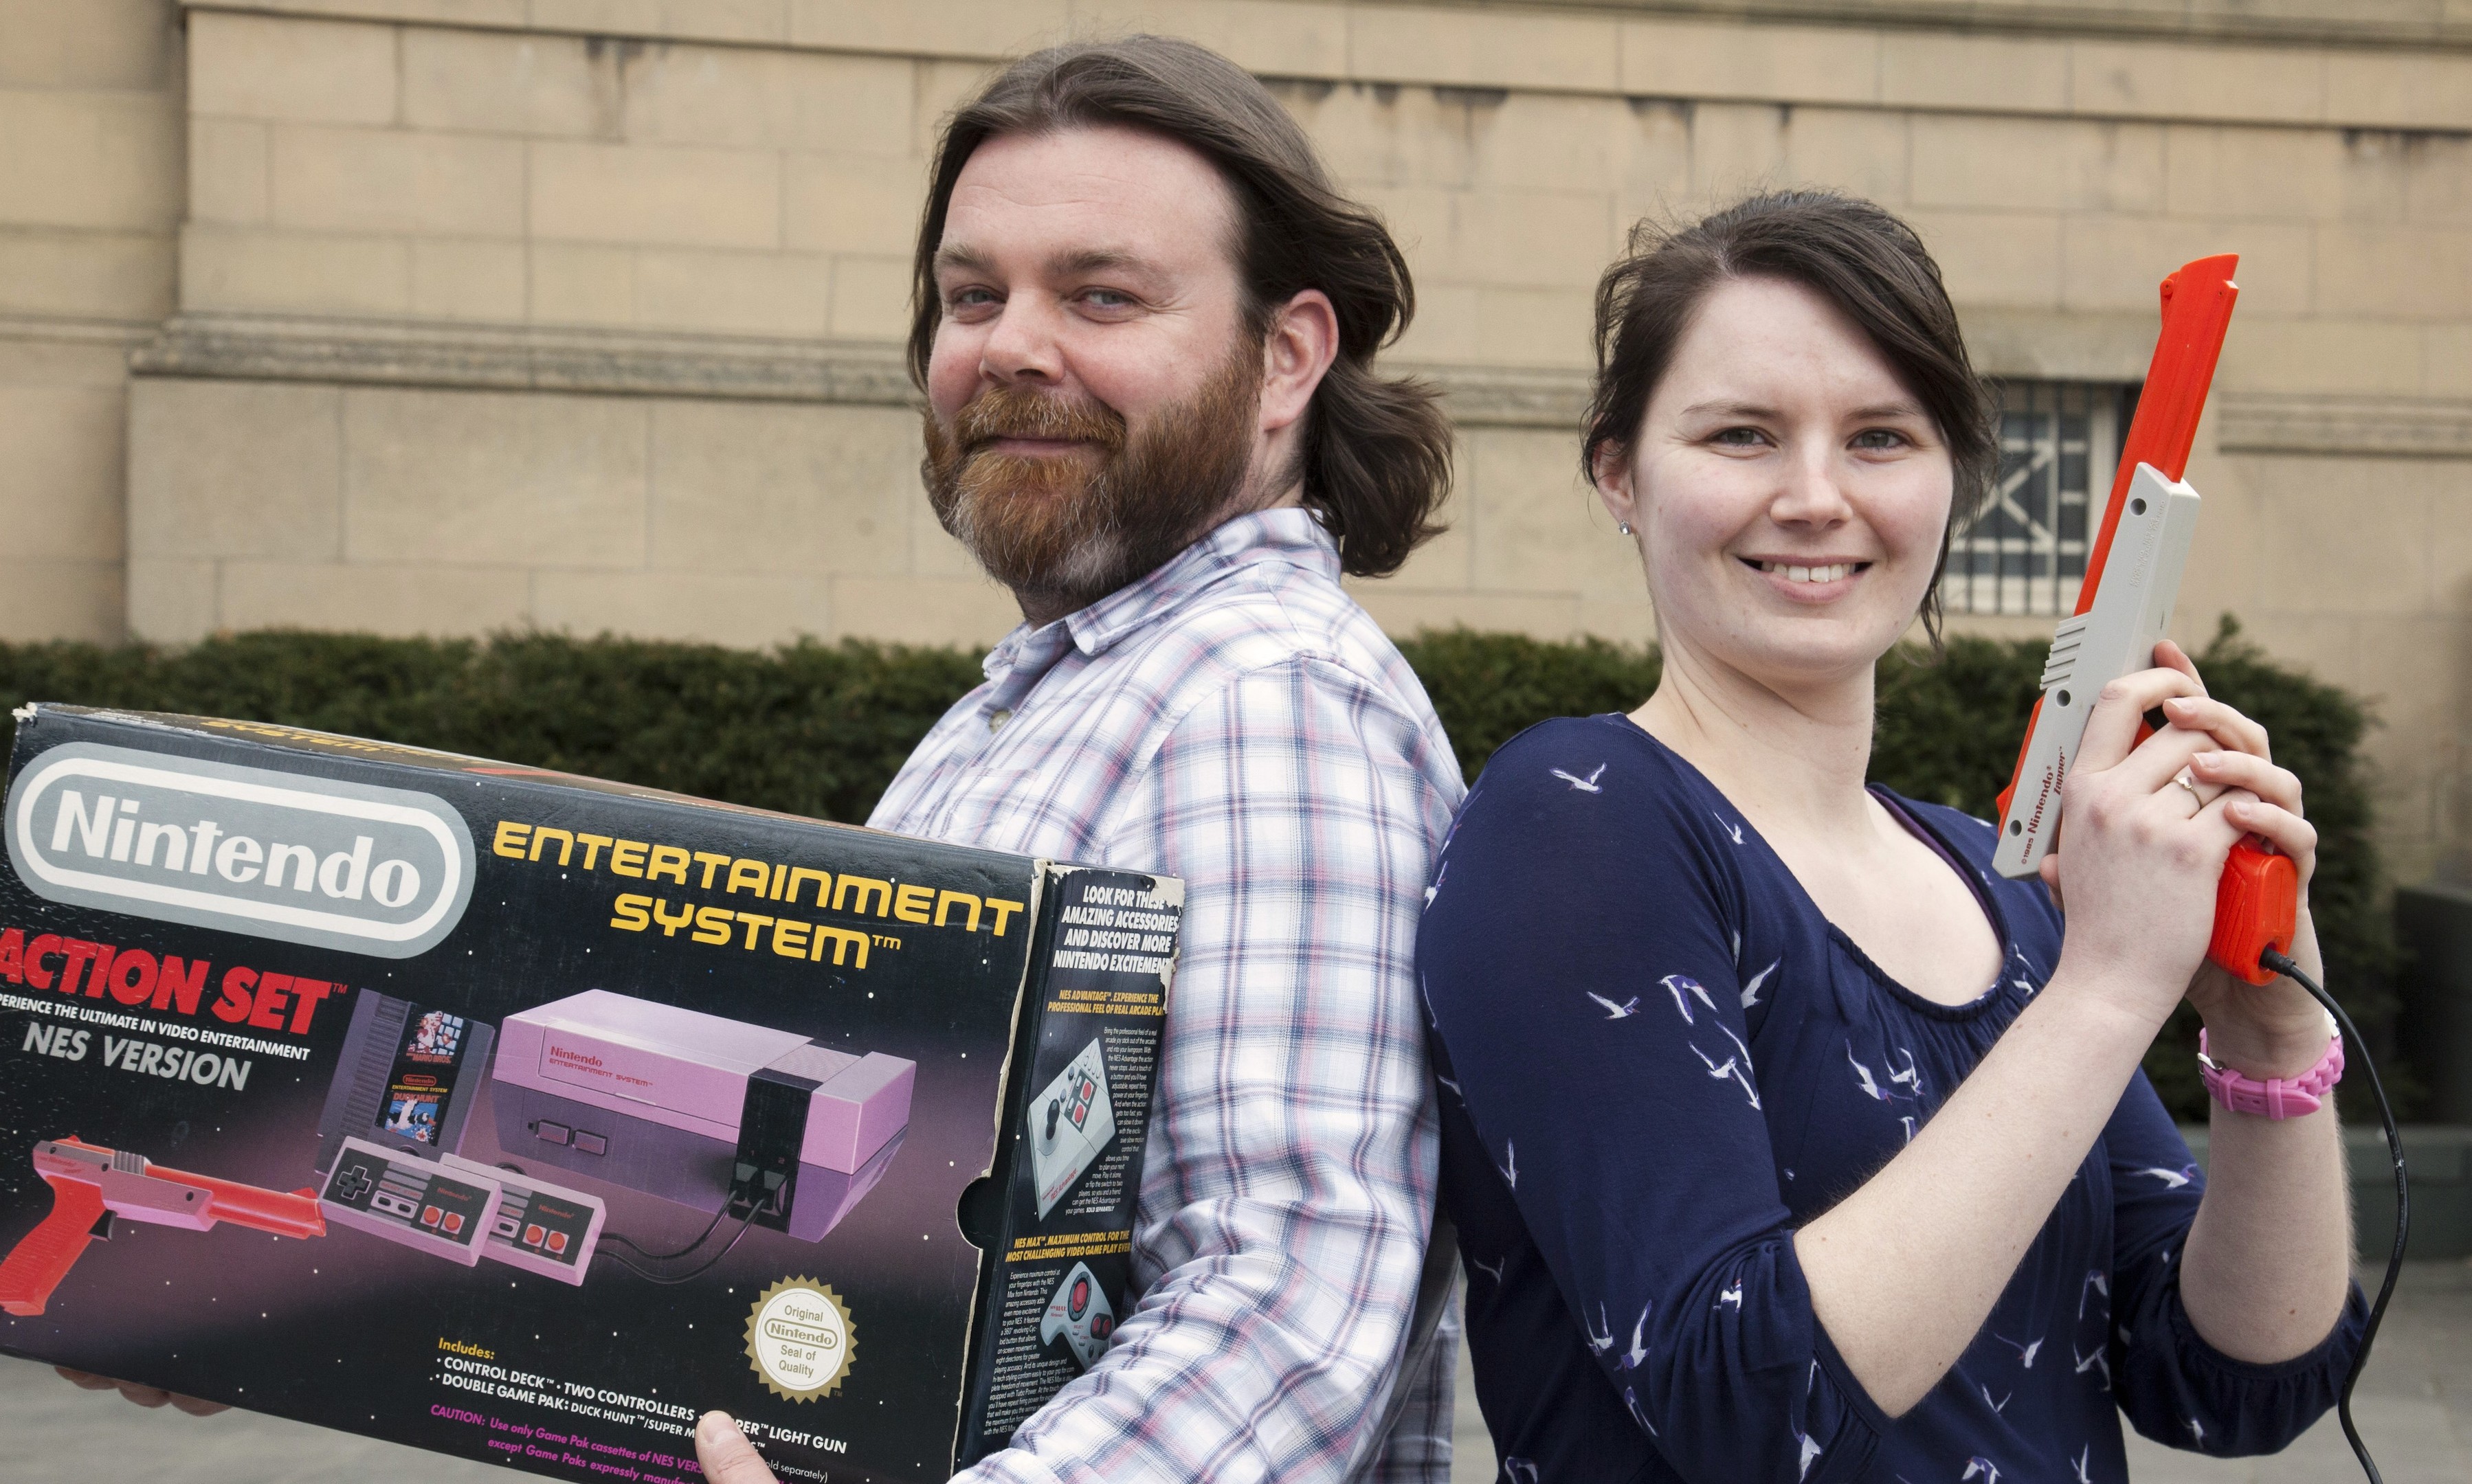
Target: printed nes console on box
<point>691,1107</point>
<point>523,1117</point>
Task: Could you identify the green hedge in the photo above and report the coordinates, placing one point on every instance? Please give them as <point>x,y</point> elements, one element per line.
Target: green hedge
<point>811,729</point>
<point>819,729</point>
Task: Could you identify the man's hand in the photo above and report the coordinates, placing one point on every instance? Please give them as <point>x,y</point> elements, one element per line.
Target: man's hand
<point>727,1456</point>
<point>143,1396</point>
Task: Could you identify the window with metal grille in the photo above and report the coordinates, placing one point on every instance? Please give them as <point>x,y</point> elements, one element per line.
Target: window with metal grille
<point>2026,553</point>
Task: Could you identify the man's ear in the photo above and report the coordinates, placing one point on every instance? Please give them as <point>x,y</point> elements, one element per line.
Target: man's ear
<point>1297,352</point>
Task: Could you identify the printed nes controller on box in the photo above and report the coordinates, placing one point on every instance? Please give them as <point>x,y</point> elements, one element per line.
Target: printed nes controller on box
<point>463,1211</point>
<point>699,1109</point>
<point>407,1199</point>
<point>1079,1312</point>
<point>1072,1121</point>
<point>539,1227</point>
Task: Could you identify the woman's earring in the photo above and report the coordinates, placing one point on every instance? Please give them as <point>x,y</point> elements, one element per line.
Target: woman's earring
<point>1623,526</point>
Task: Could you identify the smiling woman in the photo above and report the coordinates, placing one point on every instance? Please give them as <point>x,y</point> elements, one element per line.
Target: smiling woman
<point>1857,271</point>
<point>1824,1132</point>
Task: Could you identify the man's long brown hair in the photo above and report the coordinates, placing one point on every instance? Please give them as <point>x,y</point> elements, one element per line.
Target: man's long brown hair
<point>1376,453</point>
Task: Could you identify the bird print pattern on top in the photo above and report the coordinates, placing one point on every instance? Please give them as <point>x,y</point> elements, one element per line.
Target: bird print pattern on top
<point>1660,1060</point>
<point>1736,1068</point>
<point>1751,986</point>
<point>1681,986</point>
<point>1638,1351</point>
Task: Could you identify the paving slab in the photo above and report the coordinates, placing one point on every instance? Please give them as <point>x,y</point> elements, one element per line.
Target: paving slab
<point>52,1432</point>
<point>2414,1406</point>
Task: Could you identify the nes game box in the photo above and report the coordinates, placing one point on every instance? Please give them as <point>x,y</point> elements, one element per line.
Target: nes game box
<point>523,1117</point>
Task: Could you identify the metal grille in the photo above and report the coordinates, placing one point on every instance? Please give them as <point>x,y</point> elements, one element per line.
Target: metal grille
<point>2059,442</point>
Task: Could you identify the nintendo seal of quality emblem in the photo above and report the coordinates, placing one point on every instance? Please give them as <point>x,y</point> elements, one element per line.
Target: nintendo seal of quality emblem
<point>799,1339</point>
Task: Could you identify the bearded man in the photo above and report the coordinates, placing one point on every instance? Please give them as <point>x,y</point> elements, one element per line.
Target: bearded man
<point>1145,327</point>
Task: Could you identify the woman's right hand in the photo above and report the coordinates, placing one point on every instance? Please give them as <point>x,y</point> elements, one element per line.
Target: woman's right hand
<point>2140,853</point>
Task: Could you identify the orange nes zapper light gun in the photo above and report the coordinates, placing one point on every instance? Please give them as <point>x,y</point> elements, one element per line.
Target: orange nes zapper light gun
<point>92,1186</point>
<point>2132,579</point>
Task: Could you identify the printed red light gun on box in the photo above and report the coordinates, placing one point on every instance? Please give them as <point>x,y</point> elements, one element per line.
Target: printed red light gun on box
<point>91,1186</point>
<point>2133,579</point>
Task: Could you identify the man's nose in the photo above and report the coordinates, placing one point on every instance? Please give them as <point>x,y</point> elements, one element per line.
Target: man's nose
<point>1022,344</point>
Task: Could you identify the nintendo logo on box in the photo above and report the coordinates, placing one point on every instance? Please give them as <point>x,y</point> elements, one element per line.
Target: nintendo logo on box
<point>286,856</point>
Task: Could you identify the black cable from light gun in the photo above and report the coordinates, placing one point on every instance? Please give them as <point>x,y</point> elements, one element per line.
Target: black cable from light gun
<point>2359,1052</point>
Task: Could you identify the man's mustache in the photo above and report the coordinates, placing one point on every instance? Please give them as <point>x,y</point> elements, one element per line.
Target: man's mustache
<point>1014,413</point>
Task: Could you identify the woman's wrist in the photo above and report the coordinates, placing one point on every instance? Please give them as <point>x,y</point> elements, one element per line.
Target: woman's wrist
<point>2270,1030</point>
<point>2110,998</point>
<point>2262,1053</point>
<point>2103,1011</point>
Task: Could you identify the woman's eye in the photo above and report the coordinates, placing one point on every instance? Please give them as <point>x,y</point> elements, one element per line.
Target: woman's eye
<point>1880,439</point>
<point>1738,438</point>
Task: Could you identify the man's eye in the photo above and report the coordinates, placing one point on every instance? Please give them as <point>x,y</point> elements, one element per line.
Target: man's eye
<point>1106,298</point>
<point>967,298</point>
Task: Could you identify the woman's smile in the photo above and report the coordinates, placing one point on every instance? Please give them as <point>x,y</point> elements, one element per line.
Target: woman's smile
<point>1808,579</point>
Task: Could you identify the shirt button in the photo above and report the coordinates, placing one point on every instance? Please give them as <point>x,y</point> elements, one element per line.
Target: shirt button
<point>997,719</point>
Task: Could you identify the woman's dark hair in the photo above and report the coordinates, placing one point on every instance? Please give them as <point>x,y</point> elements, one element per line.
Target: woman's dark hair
<point>1376,454</point>
<point>1848,251</point>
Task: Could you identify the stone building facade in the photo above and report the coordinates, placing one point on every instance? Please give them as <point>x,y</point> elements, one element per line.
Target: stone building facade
<point>449,316</point>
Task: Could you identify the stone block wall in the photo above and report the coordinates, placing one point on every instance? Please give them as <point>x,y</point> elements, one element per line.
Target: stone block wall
<point>397,509</point>
<point>442,315</point>
<point>90,197</point>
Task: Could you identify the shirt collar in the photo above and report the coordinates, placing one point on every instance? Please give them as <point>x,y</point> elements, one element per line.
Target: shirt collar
<point>1290,535</point>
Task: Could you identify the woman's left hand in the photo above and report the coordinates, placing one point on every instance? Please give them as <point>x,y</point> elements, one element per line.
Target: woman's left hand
<point>143,1396</point>
<point>2261,1030</point>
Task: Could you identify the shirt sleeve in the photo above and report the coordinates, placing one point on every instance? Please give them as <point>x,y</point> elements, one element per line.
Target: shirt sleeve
<point>1288,1190</point>
<point>1578,959</point>
<point>2173,1386</point>
<point>1417,1449</point>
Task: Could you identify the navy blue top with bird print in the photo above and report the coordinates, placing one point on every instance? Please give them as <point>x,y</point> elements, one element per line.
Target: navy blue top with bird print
<point>1657,1059</point>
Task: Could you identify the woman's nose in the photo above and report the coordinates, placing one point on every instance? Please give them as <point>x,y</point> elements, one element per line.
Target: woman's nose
<point>1811,494</point>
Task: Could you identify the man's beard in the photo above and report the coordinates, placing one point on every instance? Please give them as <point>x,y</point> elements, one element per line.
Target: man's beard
<point>1062,532</point>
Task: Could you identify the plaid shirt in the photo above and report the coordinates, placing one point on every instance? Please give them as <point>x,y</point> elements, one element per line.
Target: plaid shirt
<point>1235,720</point>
